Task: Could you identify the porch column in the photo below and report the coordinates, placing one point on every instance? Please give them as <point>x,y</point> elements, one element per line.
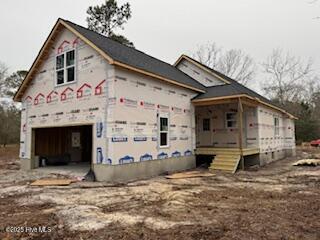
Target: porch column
<point>240,111</point>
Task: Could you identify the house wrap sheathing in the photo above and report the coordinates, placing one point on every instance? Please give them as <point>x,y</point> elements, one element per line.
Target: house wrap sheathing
<point>122,95</point>
<point>259,129</point>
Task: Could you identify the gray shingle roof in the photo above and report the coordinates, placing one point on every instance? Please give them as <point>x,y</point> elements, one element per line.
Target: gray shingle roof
<point>234,88</point>
<point>135,58</point>
<point>141,60</point>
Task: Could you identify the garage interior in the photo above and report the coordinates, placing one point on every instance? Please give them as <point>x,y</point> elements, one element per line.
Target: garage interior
<point>61,146</point>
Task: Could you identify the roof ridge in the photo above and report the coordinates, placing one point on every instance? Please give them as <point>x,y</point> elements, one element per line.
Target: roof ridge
<point>131,48</point>
<point>99,34</point>
<point>135,58</point>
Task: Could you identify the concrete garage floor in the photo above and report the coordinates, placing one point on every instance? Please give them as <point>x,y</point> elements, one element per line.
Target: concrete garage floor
<point>73,169</point>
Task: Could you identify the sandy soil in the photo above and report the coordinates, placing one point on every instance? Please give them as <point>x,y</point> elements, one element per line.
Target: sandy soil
<point>278,201</point>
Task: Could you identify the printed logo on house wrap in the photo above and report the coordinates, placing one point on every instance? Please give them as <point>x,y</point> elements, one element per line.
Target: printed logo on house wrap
<point>162,155</point>
<point>176,110</point>
<point>57,116</point>
<point>140,139</point>
<point>145,157</point>
<point>91,112</point>
<point>163,108</point>
<point>53,97</point>
<point>112,101</point>
<point>86,62</point>
<point>129,102</point>
<point>119,139</point>
<point>173,132</point>
<point>188,153</point>
<point>99,155</point>
<point>107,161</point>
<point>126,159</point>
<point>99,129</point>
<point>184,138</point>
<point>73,114</point>
<point>100,89</point>
<point>39,100</point>
<point>187,111</point>
<point>154,131</point>
<point>176,154</point>
<point>67,94</point>
<point>64,46</point>
<point>44,118</point>
<point>32,119</point>
<point>84,91</point>
<point>28,101</point>
<point>148,105</point>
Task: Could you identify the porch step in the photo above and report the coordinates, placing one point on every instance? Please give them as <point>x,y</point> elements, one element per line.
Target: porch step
<point>226,157</point>
<point>225,162</point>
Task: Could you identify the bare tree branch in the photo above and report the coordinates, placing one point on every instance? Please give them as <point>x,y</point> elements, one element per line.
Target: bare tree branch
<point>3,75</point>
<point>287,76</point>
<point>233,63</point>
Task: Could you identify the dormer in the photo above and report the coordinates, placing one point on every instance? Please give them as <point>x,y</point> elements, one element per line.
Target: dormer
<point>199,72</point>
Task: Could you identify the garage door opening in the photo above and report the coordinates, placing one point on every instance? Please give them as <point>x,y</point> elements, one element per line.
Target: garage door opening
<point>63,146</point>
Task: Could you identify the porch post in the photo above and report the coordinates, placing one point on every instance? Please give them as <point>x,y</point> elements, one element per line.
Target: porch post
<point>240,111</point>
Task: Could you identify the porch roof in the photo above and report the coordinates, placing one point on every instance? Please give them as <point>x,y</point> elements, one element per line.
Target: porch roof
<point>245,99</point>
<point>233,88</point>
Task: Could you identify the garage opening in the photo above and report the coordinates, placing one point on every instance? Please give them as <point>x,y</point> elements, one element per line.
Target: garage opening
<point>64,146</point>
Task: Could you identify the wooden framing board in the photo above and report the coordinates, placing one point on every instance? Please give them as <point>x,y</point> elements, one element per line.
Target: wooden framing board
<point>191,174</point>
<point>240,115</point>
<point>214,151</point>
<point>52,182</point>
<point>246,98</point>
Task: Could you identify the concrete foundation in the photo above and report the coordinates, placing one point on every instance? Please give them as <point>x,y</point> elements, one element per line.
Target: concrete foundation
<point>269,157</point>
<point>251,160</point>
<point>266,158</point>
<point>142,170</point>
<point>28,164</point>
<point>291,152</point>
<point>25,164</point>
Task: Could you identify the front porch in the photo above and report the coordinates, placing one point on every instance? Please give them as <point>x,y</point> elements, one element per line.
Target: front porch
<point>215,151</point>
<point>227,130</point>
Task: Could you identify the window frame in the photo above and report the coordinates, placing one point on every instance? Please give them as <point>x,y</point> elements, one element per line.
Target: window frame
<point>276,126</point>
<point>163,115</point>
<point>209,125</point>
<point>65,68</point>
<point>231,120</point>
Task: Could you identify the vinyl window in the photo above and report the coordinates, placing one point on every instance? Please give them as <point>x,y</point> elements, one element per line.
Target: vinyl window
<point>206,124</point>
<point>163,126</point>
<point>276,126</point>
<point>231,120</point>
<point>65,68</point>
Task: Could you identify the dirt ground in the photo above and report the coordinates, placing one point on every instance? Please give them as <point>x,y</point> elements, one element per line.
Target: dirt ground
<point>278,201</point>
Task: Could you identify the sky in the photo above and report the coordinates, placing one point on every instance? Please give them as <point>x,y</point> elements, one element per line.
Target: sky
<point>166,29</point>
